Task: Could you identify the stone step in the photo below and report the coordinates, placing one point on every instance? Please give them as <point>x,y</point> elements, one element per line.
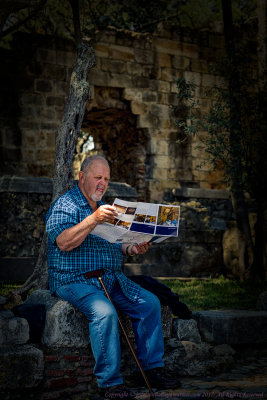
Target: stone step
<point>66,326</point>
<point>13,330</point>
<point>232,327</point>
<point>154,270</point>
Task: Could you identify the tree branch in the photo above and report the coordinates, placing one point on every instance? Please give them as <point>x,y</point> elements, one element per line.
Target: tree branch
<point>21,22</point>
<point>76,21</point>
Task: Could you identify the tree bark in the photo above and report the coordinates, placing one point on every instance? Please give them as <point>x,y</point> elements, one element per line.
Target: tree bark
<point>66,138</point>
<point>260,262</point>
<point>245,243</point>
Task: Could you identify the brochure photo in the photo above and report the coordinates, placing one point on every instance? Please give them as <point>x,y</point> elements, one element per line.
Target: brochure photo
<point>138,222</point>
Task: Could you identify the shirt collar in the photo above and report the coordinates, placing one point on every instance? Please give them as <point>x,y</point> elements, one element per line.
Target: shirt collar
<point>81,199</point>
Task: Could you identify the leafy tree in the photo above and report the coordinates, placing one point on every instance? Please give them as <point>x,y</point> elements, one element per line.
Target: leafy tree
<point>235,140</point>
<point>79,18</point>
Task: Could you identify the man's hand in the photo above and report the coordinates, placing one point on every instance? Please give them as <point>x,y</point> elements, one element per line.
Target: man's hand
<point>105,213</point>
<point>138,248</point>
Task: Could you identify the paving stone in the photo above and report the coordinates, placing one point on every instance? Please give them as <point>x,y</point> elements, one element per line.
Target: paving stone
<point>21,367</point>
<point>232,326</point>
<point>62,320</point>
<point>13,330</point>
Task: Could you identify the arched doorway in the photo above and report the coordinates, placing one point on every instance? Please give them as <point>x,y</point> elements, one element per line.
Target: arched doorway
<point>109,128</point>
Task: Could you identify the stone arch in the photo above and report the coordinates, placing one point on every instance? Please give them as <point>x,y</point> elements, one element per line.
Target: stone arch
<point>110,129</point>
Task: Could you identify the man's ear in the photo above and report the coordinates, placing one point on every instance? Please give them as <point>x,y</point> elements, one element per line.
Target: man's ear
<point>81,176</point>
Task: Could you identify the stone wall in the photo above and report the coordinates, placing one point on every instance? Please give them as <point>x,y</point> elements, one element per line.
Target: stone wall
<point>198,250</point>
<point>24,203</point>
<point>129,117</point>
<point>59,364</point>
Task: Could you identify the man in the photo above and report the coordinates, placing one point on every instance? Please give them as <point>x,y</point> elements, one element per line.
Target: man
<point>73,251</point>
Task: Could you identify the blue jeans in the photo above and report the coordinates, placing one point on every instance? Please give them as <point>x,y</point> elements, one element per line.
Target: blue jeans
<point>145,314</point>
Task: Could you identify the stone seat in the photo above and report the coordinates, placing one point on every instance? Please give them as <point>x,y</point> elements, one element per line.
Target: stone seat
<point>232,327</point>
<point>67,326</point>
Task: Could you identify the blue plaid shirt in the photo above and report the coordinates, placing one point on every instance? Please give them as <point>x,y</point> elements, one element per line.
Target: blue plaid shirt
<point>94,253</point>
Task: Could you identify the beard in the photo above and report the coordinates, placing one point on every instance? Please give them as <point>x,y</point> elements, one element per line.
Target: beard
<point>97,197</point>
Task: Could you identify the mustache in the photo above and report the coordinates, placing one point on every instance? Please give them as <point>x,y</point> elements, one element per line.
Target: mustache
<point>100,187</point>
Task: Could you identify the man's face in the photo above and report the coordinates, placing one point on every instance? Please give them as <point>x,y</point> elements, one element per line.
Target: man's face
<point>94,183</point>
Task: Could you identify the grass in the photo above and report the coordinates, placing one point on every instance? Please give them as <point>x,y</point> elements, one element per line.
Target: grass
<point>217,294</point>
<point>208,294</point>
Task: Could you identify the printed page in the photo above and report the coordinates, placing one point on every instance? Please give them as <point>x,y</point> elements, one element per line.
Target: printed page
<point>138,222</point>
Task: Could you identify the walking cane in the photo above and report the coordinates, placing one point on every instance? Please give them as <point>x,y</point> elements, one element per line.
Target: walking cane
<point>98,273</point>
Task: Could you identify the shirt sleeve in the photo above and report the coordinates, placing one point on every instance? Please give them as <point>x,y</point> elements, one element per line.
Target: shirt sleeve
<point>60,217</point>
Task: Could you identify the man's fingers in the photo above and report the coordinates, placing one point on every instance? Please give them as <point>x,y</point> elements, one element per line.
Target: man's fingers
<point>141,248</point>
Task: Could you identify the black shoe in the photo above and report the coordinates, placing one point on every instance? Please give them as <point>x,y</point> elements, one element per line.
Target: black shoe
<point>119,392</point>
<point>160,379</point>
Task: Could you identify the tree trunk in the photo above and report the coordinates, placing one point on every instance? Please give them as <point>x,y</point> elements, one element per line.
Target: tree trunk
<point>260,262</point>
<point>245,243</point>
<point>66,138</point>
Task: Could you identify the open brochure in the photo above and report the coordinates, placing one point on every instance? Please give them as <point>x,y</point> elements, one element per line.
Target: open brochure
<point>138,222</point>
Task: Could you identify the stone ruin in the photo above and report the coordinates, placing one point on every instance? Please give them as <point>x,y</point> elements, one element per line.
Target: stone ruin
<point>58,364</point>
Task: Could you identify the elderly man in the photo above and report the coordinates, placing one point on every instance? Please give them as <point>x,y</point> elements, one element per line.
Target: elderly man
<point>73,251</point>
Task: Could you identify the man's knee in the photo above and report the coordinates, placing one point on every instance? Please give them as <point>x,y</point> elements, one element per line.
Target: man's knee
<point>105,311</point>
<point>152,302</point>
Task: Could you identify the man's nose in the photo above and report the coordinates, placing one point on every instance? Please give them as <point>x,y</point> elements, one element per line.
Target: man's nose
<point>102,181</point>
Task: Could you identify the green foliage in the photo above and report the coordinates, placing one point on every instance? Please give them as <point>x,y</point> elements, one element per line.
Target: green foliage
<point>55,18</point>
<point>239,158</point>
<point>217,294</point>
<point>206,294</point>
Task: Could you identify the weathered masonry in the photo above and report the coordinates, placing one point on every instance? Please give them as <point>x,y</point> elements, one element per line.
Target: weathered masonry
<point>129,118</point>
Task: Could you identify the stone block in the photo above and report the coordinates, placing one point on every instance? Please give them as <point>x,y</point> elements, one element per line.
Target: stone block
<point>159,146</point>
<point>169,74</point>
<point>174,88</point>
<point>43,85</point>
<point>160,86</point>
<point>46,56</point>
<point>197,359</point>
<point>62,320</point>
<point>147,121</point>
<point>144,56</point>
<point>160,110</point>
<point>113,65</point>
<point>2,302</point>
<point>186,330</point>
<point>132,94</point>
<point>118,80</point>
<point>13,330</point>
<point>141,82</point>
<point>122,53</point>
<point>180,62</point>
<point>208,80</point>
<point>190,50</point>
<point>262,301</point>
<point>66,58</point>
<point>149,96</point>
<point>98,78</point>
<point>194,77</point>
<point>32,99</point>
<point>101,50</point>
<point>138,108</point>
<point>58,101</point>
<point>163,60</point>
<point>135,69</point>
<point>198,65</point>
<point>61,88</point>
<point>168,46</point>
<point>53,71</point>
<point>21,367</point>
<point>232,326</point>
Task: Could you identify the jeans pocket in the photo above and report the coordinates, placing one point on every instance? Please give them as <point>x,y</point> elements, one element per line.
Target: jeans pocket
<point>63,292</point>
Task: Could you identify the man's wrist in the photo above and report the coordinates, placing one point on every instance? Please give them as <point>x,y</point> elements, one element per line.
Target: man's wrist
<point>129,252</point>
